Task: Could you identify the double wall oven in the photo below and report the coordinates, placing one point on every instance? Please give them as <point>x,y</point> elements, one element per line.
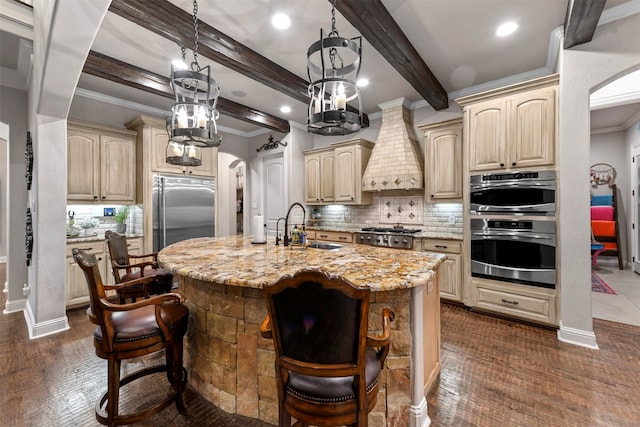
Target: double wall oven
<point>509,239</point>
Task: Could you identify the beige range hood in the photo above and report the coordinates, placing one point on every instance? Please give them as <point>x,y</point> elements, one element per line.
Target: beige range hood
<point>395,162</point>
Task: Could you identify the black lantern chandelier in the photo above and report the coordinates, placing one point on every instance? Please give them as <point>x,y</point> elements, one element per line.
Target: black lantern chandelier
<point>333,65</point>
<point>192,124</point>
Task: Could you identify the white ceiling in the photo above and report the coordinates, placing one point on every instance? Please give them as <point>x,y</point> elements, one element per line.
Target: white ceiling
<point>455,38</point>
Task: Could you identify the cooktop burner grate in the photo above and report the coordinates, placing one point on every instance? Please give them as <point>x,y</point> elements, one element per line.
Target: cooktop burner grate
<point>391,230</point>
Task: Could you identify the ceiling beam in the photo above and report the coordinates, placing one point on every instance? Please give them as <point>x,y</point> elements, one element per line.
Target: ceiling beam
<point>581,21</point>
<point>377,26</point>
<point>173,23</point>
<point>112,69</point>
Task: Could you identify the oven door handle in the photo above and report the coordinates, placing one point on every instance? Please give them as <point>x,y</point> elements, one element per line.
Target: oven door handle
<point>544,207</point>
<point>512,184</point>
<point>493,235</point>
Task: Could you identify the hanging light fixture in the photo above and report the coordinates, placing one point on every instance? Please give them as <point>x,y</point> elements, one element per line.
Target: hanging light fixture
<point>333,65</point>
<point>192,124</point>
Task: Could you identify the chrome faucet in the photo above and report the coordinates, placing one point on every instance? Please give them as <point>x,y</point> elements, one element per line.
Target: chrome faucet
<point>286,222</point>
<point>277,232</point>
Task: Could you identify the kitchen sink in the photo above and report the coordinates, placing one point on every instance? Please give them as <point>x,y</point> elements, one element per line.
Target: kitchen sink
<point>321,245</point>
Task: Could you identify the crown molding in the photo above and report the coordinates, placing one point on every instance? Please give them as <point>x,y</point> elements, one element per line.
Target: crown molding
<point>619,12</point>
<point>16,18</point>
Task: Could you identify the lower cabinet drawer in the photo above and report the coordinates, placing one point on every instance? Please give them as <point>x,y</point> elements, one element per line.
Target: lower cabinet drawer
<point>334,236</point>
<point>522,301</point>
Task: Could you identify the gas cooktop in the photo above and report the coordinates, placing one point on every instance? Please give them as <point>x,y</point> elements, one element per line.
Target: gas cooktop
<point>391,230</point>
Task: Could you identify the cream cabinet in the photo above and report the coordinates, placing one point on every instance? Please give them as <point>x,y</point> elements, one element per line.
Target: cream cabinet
<point>101,164</point>
<point>450,272</point>
<point>513,127</point>
<point>351,158</point>
<point>319,166</point>
<point>76,287</point>
<point>334,174</point>
<point>159,140</point>
<point>443,154</point>
<point>525,302</point>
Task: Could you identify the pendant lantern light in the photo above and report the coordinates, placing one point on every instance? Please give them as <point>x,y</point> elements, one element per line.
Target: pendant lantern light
<point>333,66</point>
<point>192,124</point>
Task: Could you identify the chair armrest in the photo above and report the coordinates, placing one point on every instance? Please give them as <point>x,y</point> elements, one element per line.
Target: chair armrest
<point>145,281</point>
<point>265,328</point>
<point>140,265</point>
<point>153,255</point>
<point>385,337</point>
<point>154,300</point>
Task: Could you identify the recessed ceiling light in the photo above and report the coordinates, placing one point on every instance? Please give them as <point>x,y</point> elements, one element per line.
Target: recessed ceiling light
<point>280,21</point>
<point>285,109</point>
<point>180,64</point>
<point>362,82</point>
<point>506,29</point>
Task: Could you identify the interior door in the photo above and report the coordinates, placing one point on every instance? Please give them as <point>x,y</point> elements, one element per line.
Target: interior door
<point>635,202</point>
<point>275,201</point>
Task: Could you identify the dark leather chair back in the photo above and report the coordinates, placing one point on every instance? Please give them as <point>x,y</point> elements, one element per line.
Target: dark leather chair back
<point>327,367</point>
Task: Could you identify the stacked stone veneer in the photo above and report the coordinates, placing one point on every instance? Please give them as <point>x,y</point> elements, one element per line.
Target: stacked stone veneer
<point>232,366</point>
<point>396,162</point>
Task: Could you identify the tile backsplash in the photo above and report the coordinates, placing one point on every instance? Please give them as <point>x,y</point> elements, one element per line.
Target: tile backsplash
<point>86,212</point>
<point>438,218</point>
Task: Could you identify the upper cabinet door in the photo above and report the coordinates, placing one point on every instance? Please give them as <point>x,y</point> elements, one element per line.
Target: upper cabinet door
<point>312,178</point>
<point>345,174</point>
<point>159,141</point>
<point>327,191</point>
<point>83,165</point>
<point>117,165</point>
<point>487,135</point>
<point>444,163</point>
<point>533,128</point>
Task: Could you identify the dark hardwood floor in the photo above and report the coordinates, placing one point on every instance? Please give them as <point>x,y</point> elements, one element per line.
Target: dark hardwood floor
<point>494,373</point>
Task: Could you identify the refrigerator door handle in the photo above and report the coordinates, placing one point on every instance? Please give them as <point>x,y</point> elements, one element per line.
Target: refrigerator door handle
<point>161,215</point>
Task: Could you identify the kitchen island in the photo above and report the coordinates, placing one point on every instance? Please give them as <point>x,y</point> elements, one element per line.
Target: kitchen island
<point>232,366</point>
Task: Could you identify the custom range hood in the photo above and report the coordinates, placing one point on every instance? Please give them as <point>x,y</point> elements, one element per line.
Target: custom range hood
<point>395,162</point>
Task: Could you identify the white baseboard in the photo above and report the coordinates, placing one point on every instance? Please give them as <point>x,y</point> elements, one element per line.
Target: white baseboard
<point>42,329</point>
<point>15,306</point>
<point>577,337</point>
<point>3,259</point>
<point>418,416</point>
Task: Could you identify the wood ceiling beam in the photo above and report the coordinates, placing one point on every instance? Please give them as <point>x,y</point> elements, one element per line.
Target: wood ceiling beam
<point>173,23</point>
<point>581,21</point>
<point>112,69</point>
<point>377,26</point>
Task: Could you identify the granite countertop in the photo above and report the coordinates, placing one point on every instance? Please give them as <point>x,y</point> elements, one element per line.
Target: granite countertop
<point>97,237</point>
<point>422,235</point>
<point>236,261</point>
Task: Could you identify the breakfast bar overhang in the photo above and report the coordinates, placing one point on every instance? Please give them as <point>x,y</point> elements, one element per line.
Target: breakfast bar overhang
<point>232,366</point>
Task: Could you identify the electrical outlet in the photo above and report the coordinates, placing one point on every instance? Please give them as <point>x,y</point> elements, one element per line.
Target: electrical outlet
<point>452,219</point>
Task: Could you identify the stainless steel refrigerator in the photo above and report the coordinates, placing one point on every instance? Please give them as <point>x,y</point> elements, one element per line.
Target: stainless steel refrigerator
<point>183,208</point>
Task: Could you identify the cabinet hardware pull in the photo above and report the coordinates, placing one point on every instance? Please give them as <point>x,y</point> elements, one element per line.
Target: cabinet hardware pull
<point>324,236</point>
<point>342,238</point>
<point>509,302</point>
<point>89,249</point>
<point>95,197</point>
<point>513,164</point>
<point>104,197</point>
<point>501,165</point>
<point>442,246</point>
<point>432,195</point>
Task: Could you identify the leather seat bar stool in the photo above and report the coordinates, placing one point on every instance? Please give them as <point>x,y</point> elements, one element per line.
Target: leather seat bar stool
<point>125,268</point>
<point>327,367</point>
<point>124,331</point>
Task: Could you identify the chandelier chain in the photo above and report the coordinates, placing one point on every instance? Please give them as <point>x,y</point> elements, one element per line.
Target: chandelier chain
<point>195,66</point>
<point>334,31</point>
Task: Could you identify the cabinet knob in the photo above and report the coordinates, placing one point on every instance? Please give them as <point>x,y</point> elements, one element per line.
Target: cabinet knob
<point>352,198</point>
<point>432,195</point>
<point>501,165</point>
<point>95,197</point>
<point>104,197</point>
<point>513,164</point>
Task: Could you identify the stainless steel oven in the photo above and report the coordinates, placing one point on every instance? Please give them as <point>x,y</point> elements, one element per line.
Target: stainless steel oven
<point>518,251</point>
<point>520,193</point>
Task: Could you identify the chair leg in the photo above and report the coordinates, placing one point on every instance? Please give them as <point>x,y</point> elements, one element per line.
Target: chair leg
<point>113,391</point>
<point>175,367</point>
<point>284,417</point>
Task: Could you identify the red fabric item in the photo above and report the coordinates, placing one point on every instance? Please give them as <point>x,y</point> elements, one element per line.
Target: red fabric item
<point>604,213</point>
<point>603,228</point>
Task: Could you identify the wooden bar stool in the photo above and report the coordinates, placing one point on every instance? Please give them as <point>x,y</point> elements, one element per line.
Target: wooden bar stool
<point>125,331</point>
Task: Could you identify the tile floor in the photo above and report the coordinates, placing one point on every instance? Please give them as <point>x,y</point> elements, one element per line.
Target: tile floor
<point>623,307</point>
